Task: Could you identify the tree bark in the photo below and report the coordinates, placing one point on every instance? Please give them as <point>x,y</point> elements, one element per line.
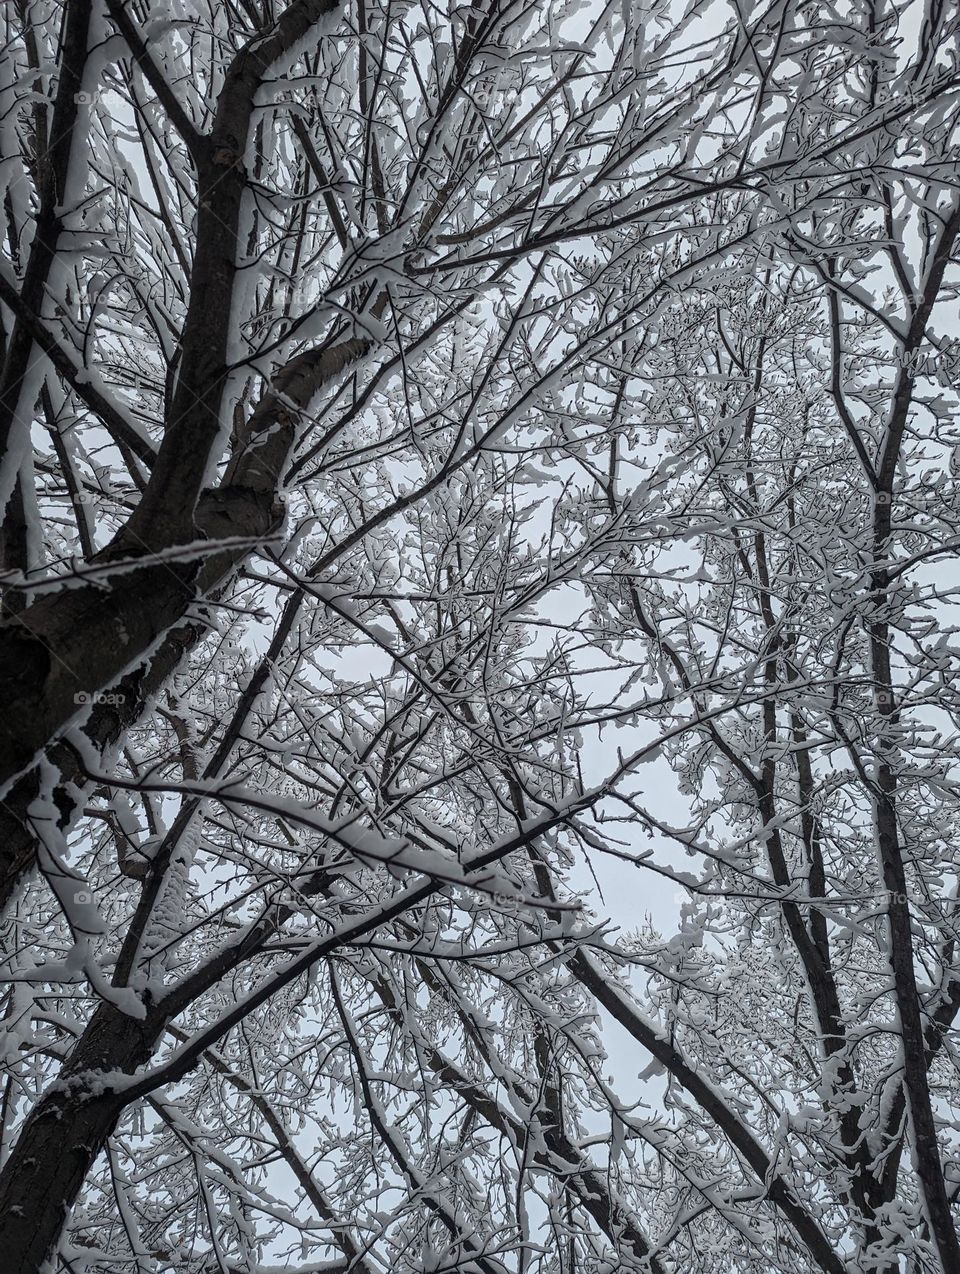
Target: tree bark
<point>63,1136</point>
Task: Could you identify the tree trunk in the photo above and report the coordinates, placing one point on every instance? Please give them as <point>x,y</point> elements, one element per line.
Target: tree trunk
<point>105,725</point>
<point>63,1136</point>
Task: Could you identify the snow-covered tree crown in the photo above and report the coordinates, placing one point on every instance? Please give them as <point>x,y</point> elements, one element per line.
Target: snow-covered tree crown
<point>478,658</point>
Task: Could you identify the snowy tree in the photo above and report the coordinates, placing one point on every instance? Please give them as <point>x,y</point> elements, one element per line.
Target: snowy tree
<point>455,457</point>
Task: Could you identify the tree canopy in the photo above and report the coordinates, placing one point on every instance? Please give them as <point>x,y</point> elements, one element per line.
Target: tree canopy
<point>478,655</point>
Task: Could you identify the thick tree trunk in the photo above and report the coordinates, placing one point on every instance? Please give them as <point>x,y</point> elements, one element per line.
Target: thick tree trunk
<point>107,721</point>
<point>75,643</point>
<point>63,1137</point>
<point>82,640</point>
